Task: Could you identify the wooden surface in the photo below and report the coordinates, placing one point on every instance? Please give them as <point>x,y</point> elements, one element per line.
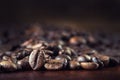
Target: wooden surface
<point>112,73</point>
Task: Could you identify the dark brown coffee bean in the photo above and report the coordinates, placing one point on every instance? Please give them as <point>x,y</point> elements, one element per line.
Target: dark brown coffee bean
<point>113,61</point>
<point>96,60</point>
<point>23,64</point>
<point>63,56</point>
<point>64,59</point>
<point>40,45</point>
<point>88,58</point>
<point>54,65</point>
<point>81,59</point>
<point>36,59</point>
<point>47,57</point>
<point>5,58</point>
<point>49,52</point>
<point>74,64</point>
<point>105,59</point>
<point>23,53</point>
<point>89,65</point>
<point>7,65</point>
<point>75,40</point>
<point>68,51</point>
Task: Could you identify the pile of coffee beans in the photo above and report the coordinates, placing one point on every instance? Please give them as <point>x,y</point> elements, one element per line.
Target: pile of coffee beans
<point>61,50</point>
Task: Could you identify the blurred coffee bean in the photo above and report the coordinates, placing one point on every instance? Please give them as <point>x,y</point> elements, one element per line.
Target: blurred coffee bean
<point>105,59</point>
<point>23,64</point>
<point>5,58</point>
<point>64,59</point>
<point>96,60</point>
<point>7,65</point>
<point>81,59</point>
<point>89,65</point>
<point>23,53</point>
<point>74,64</point>
<point>76,40</point>
<point>88,58</point>
<point>47,57</point>
<point>36,59</point>
<point>113,61</point>
<point>54,64</point>
<point>68,51</point>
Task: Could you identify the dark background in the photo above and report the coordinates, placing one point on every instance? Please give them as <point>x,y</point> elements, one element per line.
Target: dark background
<point>90,14</point>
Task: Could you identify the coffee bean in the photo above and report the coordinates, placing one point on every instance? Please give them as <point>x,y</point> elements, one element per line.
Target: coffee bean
<point>64,59</point>
<point>104,59</point>
<point>23,64</point>
<point>89,65</point>
<point>54,64</point>
<point>74,64</point>
<point>88,58</point>
<point>47,57</point>
<point>7,65</point>
<point>81,59</point>
<point>113,61</point>
<point>97,60</point>
<point>36,59</point>
<point>68,51</point>
<point>5,58</point>
<point>75,40</point>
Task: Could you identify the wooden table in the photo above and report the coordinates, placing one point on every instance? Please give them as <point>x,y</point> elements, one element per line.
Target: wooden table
<point>112,73</point>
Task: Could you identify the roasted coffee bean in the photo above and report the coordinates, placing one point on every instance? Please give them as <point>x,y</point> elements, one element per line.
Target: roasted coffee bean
<point>96,60</point>
<point>40,45</point>
<point>74,64</point>
<point>91,40</point>
<point>113,61</point>
<point>75,40</point>
<point>47,57</point>
<point>7,65</point>
<point>54,64</point>
<point>104,59</point>
<point>55,48</point>
<point>23,64</point>
<point>88,58</point>
<point>5,58</point>
<point>81,59</point>
<point>68,51</point>
<point>89,52</point>
<point>49,52</point>
<point>89,65</point>
<point>21,53</point>
<point>64,56</point>
<point>36,59</point>
<point>64,59</point>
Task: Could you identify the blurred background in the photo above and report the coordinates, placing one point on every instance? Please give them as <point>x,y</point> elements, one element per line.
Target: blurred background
<point>81,14</point>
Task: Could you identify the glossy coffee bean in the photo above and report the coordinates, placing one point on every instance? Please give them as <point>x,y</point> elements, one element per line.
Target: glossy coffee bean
<point>21,53</point>
<point>88,58</point>
<point>36,59</point>
<point>54,65</point>
<point>7,65</point>
<point>5,58</point>
<point>81,59</point>
<point>63,58</point>
<point>97,60</point>
<point>113,61</point>
<point>89,65</point>
<point>75,40</point>
<point>104,59</point>
<point>68,51</point>
<point>23,64</point>
<point>74,64</point>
